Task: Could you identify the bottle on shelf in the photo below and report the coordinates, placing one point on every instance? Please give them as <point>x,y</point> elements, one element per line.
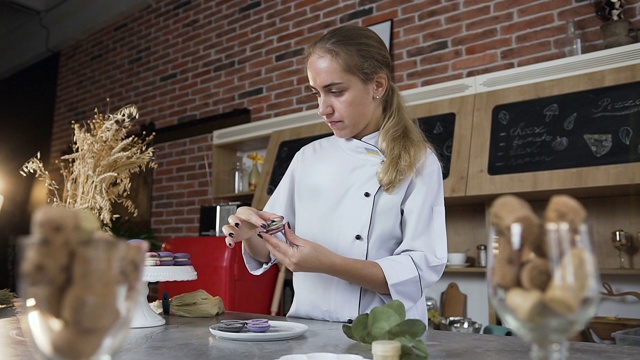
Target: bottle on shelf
<point>238,178</point>
<point>481,256</point>
<point>571,43</point>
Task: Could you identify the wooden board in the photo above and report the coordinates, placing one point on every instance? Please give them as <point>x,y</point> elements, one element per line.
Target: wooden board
<point>453,303</point>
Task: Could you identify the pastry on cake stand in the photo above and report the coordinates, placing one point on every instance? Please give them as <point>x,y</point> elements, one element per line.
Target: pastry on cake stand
<point>144,316</point>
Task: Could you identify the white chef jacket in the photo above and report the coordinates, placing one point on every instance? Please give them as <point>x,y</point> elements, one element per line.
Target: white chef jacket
<point>330,195</point>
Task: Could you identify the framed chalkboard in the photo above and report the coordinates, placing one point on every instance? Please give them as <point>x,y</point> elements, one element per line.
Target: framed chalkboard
<point>438,129</point>
<point>284,156</point>
<point>579,129</point>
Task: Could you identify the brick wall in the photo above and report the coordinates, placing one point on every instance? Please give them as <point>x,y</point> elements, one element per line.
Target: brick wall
<point>185,60</point>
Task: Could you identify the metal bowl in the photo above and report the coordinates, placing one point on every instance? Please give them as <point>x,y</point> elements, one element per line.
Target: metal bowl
<point>461,325</point>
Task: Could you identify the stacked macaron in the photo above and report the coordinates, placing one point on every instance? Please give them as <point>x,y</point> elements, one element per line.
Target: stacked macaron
<point>166,258</point>
<point>158,258</point>
<point>181,259</point>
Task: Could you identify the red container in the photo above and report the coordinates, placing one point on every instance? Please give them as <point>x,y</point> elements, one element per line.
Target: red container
<point>222,272</point>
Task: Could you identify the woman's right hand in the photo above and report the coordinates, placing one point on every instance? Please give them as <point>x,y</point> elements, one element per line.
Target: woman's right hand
<point>246,224</point>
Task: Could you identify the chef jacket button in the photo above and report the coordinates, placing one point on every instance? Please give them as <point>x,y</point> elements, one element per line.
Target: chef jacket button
<point>367,194</point>
<point>358,237</point>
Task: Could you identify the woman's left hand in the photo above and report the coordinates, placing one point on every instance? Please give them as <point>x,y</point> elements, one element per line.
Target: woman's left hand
<point>299,254</point>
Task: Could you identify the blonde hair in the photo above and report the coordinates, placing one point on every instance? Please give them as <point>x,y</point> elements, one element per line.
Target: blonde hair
<point>363,53</point>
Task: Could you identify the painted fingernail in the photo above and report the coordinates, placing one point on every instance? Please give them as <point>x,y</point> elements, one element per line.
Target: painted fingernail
<point>230,245</point>
<point>260,236</point>
<point>264,226</point>
<point>288,225</point>
<point>231,235</point>
<point>237,224</point>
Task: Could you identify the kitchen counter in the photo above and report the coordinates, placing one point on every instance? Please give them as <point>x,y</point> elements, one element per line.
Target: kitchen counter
<point>190,338</point>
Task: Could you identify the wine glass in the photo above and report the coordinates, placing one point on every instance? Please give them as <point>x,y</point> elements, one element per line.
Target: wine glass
<point>76,302</point>
<point>621,242</point>
<point>547,295</point>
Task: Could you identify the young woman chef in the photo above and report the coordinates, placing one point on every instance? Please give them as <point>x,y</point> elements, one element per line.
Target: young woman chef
<point>364,208</point>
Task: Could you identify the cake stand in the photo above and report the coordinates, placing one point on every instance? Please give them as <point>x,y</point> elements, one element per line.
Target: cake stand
<point>143,315</point>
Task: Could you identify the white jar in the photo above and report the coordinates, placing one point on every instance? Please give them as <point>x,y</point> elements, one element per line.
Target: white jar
<point>386,350</point>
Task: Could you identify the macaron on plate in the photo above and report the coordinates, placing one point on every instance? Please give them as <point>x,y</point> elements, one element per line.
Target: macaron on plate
<point>159,258</point>
<point>257,330</point>
<point>181,259</point>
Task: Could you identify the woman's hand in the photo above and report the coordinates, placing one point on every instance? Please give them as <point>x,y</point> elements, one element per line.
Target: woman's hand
<point>298,254</point>
<point>301,255</point>
<point>245,225</point>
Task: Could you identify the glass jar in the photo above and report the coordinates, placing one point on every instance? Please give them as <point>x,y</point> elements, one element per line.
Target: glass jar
<point>238,178</point>
<point>571,42</point>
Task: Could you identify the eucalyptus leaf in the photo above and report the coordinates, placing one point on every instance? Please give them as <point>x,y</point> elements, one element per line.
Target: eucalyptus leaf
<point>410,327</point>
<point>414,347</point>
<point>387,322</point>
<point>381,320</point>
<point>360,328</point>
<point>348,330</point>
<point>397,307</point>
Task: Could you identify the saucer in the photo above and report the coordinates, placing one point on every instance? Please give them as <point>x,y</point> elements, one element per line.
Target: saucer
<point>458,266</point>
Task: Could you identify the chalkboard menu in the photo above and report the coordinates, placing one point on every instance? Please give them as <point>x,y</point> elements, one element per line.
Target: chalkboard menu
<point>284,156</point>
<point>438,129</point>
<point>573,130</point>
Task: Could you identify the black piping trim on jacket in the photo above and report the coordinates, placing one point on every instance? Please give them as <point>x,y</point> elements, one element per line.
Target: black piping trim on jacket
<point>419,276</point>
<point>373,205</point>
<point>366,257</point>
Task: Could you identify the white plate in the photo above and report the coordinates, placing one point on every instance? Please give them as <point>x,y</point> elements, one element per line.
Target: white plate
<point>321,356</point>
<point>280,330</point>
<point>458,266</point>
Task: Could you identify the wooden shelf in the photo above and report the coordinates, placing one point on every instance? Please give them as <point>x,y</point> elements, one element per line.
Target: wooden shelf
<point>619,271</point>
<point>243,197</point>
<point>465,270</point>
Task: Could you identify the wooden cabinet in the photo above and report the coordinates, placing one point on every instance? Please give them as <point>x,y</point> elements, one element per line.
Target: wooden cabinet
<point>455,185</point>
<point>581,181</point>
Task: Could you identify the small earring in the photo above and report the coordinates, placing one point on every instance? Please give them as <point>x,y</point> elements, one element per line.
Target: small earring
<point>377,96</point>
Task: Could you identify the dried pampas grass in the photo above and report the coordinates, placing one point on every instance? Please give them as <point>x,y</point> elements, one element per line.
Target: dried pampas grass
<point>98,172</point>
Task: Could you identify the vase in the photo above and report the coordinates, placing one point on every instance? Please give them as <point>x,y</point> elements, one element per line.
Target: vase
<point>254,175</point>
<point>618,33</point>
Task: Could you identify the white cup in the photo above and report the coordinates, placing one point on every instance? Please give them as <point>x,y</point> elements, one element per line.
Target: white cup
<point>456,258</point>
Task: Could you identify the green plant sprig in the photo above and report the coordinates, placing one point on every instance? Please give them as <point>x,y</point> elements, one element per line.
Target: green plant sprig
<point>387,322</point>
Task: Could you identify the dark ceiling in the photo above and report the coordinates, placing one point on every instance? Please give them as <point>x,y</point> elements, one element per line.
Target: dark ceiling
<point>31,30</point>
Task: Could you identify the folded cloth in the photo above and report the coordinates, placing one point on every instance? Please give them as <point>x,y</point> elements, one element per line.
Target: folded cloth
<point>197,303</point>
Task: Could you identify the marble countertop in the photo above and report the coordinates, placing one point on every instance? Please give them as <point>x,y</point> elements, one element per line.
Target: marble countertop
<point>190,338</point>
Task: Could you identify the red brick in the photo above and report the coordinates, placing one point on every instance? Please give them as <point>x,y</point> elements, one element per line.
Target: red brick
<point>525,50</point>
<point>494,44</point>
<point>475,61</point>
